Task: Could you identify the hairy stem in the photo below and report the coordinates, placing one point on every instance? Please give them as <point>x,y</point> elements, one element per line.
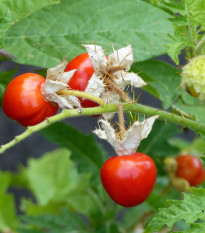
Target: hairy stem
<point>81,94</point>
<point>112,85</point>
<point>133,107</point>
<point>121,120</point>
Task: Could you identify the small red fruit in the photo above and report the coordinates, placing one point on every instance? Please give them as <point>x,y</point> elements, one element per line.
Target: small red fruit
<point>80,79</point>
<point>129,179</point>
<point>23,101</point>
<point>191,169</point>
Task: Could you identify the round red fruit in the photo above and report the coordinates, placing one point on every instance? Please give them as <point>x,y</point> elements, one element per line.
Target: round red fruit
<point>191,169</point>
<point>129,179</point>
<point>23,101</point>
<point>80,79</point>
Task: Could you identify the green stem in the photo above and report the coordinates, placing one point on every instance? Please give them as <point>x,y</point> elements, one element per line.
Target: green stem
<point>189,51</point>
<point>200,47</point>
<point>81,94</point>
<point>133,107</point>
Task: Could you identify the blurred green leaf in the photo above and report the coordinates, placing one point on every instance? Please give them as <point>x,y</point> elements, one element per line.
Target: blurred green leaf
<point>107,227</point>
<point>196,147</point>
<point>161,77</point>
<point>191,208</point>
<point>55,182</point>
<point>5,78</point>
<point>179,143</point>
<point>106,23</point>
<point>133,215</point>
<point>157,143</point>
<point>86,152</point>
<point>8,217</point>
<point>65,221</point>
<point>194,228</point>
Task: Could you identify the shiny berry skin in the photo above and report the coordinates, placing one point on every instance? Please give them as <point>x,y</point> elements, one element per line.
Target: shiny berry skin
<point>129,179</point>
<point>23,101</point>
<point>190,168</point>
<point>80,79</point>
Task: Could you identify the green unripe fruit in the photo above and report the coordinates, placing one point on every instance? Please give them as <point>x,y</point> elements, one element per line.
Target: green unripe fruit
<point>193,77</point>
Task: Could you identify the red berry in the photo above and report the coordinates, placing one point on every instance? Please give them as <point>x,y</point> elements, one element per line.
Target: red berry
<point>23,101</point>
<point>129,179</point>
<point>190,168</point>
<point>80,79</point>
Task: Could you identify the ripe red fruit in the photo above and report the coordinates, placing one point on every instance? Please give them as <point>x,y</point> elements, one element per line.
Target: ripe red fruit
<point>80,79</point>
<point>190,168</point>
<point>23,101</point>
<point>129,179</point>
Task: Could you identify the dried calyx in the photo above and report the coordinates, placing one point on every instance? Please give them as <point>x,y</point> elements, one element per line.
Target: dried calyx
<point>111,74</point>
<point>57,81</point>
<point>129,142</point>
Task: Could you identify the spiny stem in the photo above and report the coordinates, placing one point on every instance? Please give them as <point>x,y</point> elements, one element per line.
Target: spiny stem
<point>133,107</point>
<point>121,93</point>
<point>81,94</point>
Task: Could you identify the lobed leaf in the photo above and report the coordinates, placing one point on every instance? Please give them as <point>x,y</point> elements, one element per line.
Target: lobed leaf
<point>191,208</point>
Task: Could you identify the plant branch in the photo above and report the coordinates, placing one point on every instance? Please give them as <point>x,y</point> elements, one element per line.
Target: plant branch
<point>133,107</point>
<point>121,120</point>
<point>81,94</point>
<point>112,85</point>
<point>199,50</point>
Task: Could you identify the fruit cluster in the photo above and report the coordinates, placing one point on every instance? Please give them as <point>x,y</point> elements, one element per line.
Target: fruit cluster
<point>184,171</point>
<point>29,99</point>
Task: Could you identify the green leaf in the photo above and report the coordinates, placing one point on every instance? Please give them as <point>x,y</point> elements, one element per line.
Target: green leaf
<point>191,208</point>
<point>5,179</point>
<point>179,143</point>
<point>54,181</point>
<point>194,228</point>
<point>86,152</point>
<point>108,227</point>
<point>5,20</point>
<point>188,21</point>
<point>187,103</point>
<point>162,77</point>
<point>157,143</point>
<point>5,78</point>
<point>65,221</point>
<point>197,8</point>
<point>12,11</point>
<point>174,49</point>
<point>20,9</point>
<point>8,218</point>
<point>106,23</point>
<point>132,215</point>
<point>196,147</point>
